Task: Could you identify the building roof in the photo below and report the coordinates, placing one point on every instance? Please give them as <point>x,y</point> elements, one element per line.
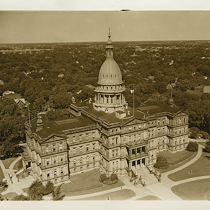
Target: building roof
<point>57,127</point>
<point>194,92</point>
<point>206,89</point>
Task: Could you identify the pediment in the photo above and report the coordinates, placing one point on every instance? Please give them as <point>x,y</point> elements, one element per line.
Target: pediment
<point>134,122</point>
<point>54,137</point>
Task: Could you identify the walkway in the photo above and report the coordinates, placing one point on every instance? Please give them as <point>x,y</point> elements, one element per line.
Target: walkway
<point>15,186</point>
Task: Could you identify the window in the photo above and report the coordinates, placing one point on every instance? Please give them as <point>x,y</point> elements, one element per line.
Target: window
<point>163,121</point>
<point>74,161</point>
<point>93,156</point>
<point>48,174</point>
<point>87,148</point>
<point>139,126</point>
<point>87,135</point>
<point>61,146</point>
<point>74,150</point>
<point>130,129</point>
<point>113,141</point>
<point>54,160</point>
<point>158,122</point>
<point>73,138</point>
<point>158,131</point>
<point>53,148</point>
<point>61,170</point>
<point>46,148</point>
<point>61,158</point>
<point>112,153</point>
<point>81,160</point>
<point>93,135</point>
<point>80,137</point>
<point>116,164</point>
<point>87,158</point>
<point>163,130</point>
<point>48,162</point>
<point>81,149</point>
<point>116,152</point>
<point>55,172</point>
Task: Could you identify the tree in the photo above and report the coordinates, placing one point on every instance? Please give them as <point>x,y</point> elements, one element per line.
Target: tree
<point>192,146</point>
<point>20,198</point>
<point>57,196</point>
<point>35,191</point>
<point>161,163</point>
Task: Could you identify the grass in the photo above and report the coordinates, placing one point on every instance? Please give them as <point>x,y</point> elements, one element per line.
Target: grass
<point>18,165</point>
<point>7,162</point>
<point>196,190</point>
<point>86,183</point>
<point>199,168</point>
<point>117,195</point>
<point>176,155</point>
<point>148,198</point>
<point>9,196</point>
<point>1,174</point>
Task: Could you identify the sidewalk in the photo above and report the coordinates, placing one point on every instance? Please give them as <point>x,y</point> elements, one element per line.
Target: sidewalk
<point>15,186</point>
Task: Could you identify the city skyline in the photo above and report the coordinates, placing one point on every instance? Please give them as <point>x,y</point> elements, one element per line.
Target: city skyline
<point>93,26</point>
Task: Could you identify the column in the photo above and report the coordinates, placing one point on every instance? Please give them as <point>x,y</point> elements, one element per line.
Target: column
<point>129,165</point>
<point>136,151</point>
<point>109,100</point>
<point>140,150</point>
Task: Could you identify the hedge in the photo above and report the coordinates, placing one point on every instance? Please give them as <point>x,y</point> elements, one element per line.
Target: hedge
<point>113,179</point>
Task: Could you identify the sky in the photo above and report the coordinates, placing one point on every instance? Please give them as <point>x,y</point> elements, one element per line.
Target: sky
<point>41,26</point>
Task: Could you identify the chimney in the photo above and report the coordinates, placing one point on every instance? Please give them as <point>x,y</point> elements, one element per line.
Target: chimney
<point>39,123</point>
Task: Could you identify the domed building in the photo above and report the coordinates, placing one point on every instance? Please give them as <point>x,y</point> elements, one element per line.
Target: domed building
<point>109,94</point>
<point>102,136</point>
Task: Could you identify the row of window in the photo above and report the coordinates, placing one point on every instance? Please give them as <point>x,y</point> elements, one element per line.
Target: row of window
<point>82,146</point>
<point>54,148</point>
<point>55,172</point>
<point>81,159</point>
<point>86,136</point>
<point>54,160</point>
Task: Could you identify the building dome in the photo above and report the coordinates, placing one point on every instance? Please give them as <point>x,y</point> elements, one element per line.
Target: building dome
<point>110,73</point>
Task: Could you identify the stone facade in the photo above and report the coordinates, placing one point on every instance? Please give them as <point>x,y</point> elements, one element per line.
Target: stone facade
<point>112,147</point>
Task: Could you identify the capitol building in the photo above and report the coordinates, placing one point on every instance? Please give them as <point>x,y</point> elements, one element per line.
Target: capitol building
<point>105,133</point>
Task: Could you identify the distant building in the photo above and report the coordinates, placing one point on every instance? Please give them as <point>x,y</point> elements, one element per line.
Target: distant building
<point>21,102</point>
<point>1,82</point>
<point>7,92</point>
<point>105,134</point>
<point>206,89</point>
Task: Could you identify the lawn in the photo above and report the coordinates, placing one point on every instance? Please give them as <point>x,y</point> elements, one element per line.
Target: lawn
<point>1,174</point>
<point>196,190</point>
<point>199,168</point>
<point>9,196</point>
<point>85,183</point>
<point>176,157</point>
<point>117,195</point>
<point>149,198</point>
<point>7,162</point>
<point>18,165</point>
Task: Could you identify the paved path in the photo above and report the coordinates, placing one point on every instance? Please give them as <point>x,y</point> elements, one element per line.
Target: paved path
<point>15,186</point>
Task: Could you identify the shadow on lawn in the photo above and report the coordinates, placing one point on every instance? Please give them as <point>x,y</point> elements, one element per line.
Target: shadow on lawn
<point>208,157</point>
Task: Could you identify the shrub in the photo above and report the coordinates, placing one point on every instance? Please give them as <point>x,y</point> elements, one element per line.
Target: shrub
<point>161,163</point>
<point>192,146</point>
<point>56,193</point>
<point>20,198</point>
<point>48,188</point>
<point>103,178</point>
<point>114,177</point>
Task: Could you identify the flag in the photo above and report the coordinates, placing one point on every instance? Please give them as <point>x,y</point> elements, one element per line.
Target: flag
<point>132,91</point>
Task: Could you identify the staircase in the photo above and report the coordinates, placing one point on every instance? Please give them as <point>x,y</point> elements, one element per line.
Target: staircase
<point>145,175</point>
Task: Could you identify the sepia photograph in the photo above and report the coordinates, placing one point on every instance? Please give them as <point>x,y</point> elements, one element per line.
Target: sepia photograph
<point>104,105</point>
